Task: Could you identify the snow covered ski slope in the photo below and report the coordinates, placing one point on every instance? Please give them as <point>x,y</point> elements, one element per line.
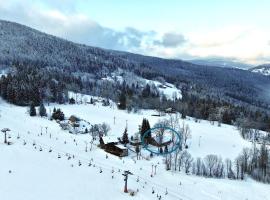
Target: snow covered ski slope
<point>45,162</point>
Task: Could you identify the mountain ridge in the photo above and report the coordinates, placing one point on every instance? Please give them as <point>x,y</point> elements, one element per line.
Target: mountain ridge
<point>23,45</point>
<point>263,69</point>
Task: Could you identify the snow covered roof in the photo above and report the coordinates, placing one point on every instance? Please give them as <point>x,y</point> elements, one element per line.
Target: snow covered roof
<point>108,139</point>
<point>120,146</point>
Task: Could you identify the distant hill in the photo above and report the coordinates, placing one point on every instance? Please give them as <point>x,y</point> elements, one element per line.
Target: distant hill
<point>220,62</point>
<point>21,44</point>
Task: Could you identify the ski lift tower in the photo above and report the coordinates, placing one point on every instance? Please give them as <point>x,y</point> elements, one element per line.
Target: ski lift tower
<point>5,130</point>
<point>126,173</point>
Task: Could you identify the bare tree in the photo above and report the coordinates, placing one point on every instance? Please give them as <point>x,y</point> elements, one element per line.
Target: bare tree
<point>105,128</point>
<point>210,161</point>
<point>188,160</point>
<point>186,133</point>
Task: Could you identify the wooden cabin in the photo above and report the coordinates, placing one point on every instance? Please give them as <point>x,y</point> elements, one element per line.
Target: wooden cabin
<point>116,149</point>
<point>153,142</point>
<point>113,147</point>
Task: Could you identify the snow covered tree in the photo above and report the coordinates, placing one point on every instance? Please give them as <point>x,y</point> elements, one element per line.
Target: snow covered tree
<point>32,111</point>
<point>42,110</point>
<point>211,161</point>
<point>105,128</point>
<point>125,139</point>
<point>186,134</point>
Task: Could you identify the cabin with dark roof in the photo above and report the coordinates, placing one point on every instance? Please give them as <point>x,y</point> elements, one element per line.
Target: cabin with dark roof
<point>113,147</point>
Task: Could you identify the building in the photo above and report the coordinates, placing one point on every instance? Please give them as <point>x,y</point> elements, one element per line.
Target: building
<point>112,146</point>
<point>170,110</point>
<point>116,149</point>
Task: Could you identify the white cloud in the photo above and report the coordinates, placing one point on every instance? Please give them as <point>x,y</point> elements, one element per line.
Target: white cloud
<point>171,40</point>
<point>246,44</point>
<point>75,27</point>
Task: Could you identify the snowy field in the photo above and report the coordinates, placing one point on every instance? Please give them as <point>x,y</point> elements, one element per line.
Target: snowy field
<point>32,172</point>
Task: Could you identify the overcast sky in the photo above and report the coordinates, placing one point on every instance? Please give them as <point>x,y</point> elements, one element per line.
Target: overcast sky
<point>234,29</point>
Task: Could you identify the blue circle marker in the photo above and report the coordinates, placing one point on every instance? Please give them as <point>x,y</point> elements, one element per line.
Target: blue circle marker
<point>175,146</point>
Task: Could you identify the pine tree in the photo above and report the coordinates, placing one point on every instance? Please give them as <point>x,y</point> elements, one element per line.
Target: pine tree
<point>71,100</point>
<point>125,139</point>
<point>146,91</point>
<point>145,127</point>
<point>32,110</point>
<point>60,97</point>
<point>91,100</point>
<point>58,115</point>
<point>122,101</point>
<point>42,110</point>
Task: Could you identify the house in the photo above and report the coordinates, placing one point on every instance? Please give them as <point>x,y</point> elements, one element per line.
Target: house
<point>153,142</point>
<point>75,125</point>
<point>73,119</point>
<point>112,146</point>
<point>169,110</point>
<point>116,149</point>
